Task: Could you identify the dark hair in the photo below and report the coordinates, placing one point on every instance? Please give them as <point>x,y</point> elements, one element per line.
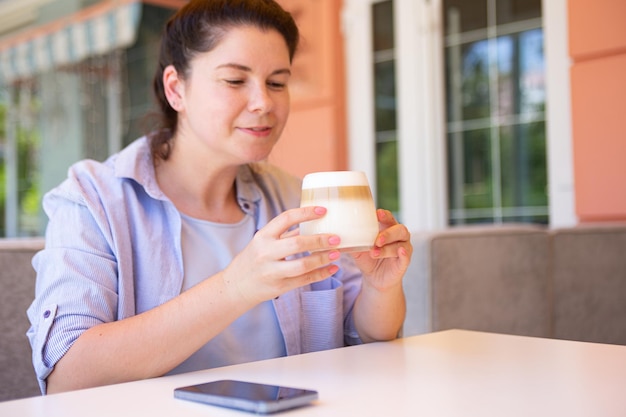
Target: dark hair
<point>198,27</point>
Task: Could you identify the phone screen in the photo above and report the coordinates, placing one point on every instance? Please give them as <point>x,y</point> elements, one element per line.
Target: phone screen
<point>248,396</point>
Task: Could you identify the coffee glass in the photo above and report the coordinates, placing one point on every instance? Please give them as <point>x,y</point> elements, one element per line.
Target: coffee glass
<point>351,212</point>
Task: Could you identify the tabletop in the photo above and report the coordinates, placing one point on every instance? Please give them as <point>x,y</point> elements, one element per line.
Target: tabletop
<point>448,373</point>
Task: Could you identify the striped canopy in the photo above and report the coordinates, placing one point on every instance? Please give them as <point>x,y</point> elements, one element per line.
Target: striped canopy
<point>96,30</point>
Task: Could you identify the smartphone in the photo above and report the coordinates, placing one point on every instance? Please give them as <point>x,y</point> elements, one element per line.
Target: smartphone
<point>247,396</point>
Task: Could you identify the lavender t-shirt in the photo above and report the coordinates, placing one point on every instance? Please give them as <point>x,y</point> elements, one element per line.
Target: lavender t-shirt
<point>207,249</point>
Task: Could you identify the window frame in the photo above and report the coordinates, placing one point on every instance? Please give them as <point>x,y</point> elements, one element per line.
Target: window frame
<point>421,108</point>
<point>420,124</point>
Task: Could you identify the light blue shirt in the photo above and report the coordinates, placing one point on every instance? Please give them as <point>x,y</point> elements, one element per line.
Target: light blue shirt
<point>113,250</point>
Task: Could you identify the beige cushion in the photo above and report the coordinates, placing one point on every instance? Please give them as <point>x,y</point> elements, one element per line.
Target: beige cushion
<point>488,278</point>
<point>590,283</point>
<point>17,280</point>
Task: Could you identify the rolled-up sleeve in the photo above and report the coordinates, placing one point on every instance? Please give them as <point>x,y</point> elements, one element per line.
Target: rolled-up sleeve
<point>76,283</point>
<point>112,251</point>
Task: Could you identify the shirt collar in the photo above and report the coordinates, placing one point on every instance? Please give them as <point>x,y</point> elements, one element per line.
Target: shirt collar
<point>248,194</point>
<point>135,162</point>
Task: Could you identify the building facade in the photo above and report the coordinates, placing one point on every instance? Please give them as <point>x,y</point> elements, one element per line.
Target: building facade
<point>460,112</point>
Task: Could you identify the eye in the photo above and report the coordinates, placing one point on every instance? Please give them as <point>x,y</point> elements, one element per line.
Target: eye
<point>274,85</point>
<point>234,82</point>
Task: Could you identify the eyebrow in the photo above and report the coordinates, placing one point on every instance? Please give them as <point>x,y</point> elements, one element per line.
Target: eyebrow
<point>248,69</point>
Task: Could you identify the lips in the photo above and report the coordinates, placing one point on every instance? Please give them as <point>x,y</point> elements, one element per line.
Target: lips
<point>257,130</point>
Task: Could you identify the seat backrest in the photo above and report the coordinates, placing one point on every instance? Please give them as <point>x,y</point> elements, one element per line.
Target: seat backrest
<point>486,278</point>
<point>17,290</point>
<point>590,283</point>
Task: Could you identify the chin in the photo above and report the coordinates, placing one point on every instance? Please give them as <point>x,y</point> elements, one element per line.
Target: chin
<point>258,156</point>
<point>261,159</point>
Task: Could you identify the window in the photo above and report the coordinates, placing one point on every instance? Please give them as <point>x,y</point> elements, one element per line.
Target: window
<point>87,109</point>
<point>385,116</point>
<point>495,111</point>
<point>19,156</point>
<point>468,150</point>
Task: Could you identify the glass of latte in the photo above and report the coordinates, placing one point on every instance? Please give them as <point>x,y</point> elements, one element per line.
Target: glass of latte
<point>351,213</point>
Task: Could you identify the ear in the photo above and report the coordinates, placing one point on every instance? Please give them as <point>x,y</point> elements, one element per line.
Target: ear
<point>174,87</point>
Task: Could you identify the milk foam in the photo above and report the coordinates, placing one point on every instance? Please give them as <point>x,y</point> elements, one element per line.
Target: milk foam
<point>334,179</point>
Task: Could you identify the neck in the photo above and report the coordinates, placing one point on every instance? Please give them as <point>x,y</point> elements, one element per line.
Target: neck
<point>200,189</point>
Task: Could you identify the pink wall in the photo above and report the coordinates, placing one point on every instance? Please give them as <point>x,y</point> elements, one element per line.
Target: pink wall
<point>598,80</point>
<point>315,136</point>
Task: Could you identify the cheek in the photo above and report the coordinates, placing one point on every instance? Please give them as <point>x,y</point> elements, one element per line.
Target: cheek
<point>215,107</point>
<point>282,108</point>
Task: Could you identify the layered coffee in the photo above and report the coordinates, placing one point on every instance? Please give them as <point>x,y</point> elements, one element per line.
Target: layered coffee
<point>351,213</point>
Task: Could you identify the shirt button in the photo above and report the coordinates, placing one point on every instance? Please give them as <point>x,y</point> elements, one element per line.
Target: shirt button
<point>46,314</point>
<point>246,206</point>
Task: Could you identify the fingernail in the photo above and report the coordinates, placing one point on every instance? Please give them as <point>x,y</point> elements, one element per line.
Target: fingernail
<point>334,240</point>
<point>319,210</point>
<point>376,252</point>
<point>334,255</point>
<point>333,268</point>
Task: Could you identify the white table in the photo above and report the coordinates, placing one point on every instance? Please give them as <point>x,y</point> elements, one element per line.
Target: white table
<point>450,373</point>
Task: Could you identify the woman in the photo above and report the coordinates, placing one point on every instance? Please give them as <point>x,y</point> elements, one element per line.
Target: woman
<point>181,252</point>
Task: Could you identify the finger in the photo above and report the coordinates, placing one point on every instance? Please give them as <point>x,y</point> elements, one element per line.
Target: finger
<point>306,264</point>
<point>321,274</point>
<point>395,233</point>
<point>290,218</point>
<point>301,244</point>
<point>395,250</point>
<point>385,218</point>
<point>290,233</point>
<point>307,268</point>
<point>404,254</point>
<point>310,277</point>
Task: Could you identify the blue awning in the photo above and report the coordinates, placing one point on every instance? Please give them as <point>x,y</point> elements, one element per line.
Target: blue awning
<point>96,30</point>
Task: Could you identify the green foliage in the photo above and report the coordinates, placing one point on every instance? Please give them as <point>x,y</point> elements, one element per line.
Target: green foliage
<point>387,176</point>
<point>28,140</point>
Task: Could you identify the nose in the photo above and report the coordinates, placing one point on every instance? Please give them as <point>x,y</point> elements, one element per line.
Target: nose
<point>260,100</point>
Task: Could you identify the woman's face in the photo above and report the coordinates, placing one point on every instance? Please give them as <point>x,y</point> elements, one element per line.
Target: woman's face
<point>234,102</point>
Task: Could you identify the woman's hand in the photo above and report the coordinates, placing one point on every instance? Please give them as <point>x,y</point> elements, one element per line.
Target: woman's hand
<point>265,269</point>
<point>384,265</point>
<point>380,307</point>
